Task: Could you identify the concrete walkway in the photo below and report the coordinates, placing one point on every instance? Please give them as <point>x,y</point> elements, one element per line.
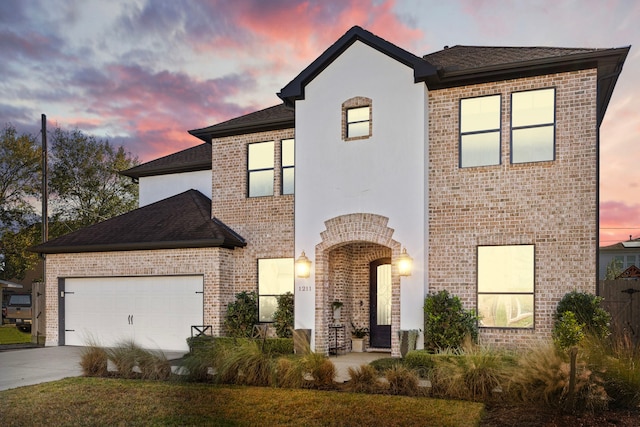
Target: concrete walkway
<point>22,367</point>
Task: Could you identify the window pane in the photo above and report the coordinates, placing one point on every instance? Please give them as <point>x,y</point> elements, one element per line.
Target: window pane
<point>383,314</point>
<point>505,269</point>
<point>261,183</point>
<point>478,114</point>
<point>480,149</point>
<point>358,114</point>
<point>506,311</point>
<point>357,129</point>
<point>261,155</point>
<point>288,148</point>
<point>267,307</point>
<point>275,276</point>
<point>531,108</point>
<point>532,144</point>
<point>288,181</point>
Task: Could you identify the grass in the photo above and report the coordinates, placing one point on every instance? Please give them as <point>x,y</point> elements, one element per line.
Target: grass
<point>9,334</point>
<point>105,401</point>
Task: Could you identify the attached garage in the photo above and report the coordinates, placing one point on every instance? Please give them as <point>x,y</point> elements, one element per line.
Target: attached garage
<point>154,312</point>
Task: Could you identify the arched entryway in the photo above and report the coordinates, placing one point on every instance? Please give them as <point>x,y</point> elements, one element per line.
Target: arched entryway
<point>350,246</point>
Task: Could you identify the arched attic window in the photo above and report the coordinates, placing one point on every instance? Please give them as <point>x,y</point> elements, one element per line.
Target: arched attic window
<point>357,120</point>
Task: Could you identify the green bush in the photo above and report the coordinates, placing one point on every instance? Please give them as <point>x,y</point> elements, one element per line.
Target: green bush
<point>200,343</point>
<point>420,361</point>
<point>588,311</point>
<point>385,363</point>
<point>241,315</point>
<point>283,316</point>
<point>446,323</point>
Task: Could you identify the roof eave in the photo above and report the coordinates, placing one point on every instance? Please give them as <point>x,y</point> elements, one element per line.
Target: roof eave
<point>131,173</point>
<point>221,131</point>
<point>135,246</point>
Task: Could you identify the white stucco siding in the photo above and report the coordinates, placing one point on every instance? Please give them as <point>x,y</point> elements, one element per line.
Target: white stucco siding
<point>155,188</point>
<point>383,174</point>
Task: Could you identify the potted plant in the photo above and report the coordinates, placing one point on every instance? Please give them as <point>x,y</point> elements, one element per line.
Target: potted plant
<point>357,338</point>
<point>336,305</point>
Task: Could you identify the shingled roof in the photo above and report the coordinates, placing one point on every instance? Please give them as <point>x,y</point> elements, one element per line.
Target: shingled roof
<point>190,160</point>
<point>272,118</point>
<point>181,221</point>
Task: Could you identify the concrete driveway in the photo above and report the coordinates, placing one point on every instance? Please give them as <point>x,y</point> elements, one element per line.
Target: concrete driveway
<point>38,365</point>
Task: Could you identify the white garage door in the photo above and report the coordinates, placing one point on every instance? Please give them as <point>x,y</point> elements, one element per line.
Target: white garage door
<point>154,312</point>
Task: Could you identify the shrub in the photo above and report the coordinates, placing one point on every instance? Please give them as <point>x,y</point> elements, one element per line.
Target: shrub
<point>283,316</point>
<point>447,323</point>
<point>195,367</point>
<point>241,315</point>
<point>199,343</point>
<point>420,361</point>
<point>94,361</point>
<point>320,368</point>
<point>243,364</point>
<point>363,379</point>
<point>289,372</point>
<point>588,311</point>
<point>123,356</point>
<point>617,361</point>
<point>132,361</point>
<point>153,365</point>
<point>402,381</point>
<point>385,363</point>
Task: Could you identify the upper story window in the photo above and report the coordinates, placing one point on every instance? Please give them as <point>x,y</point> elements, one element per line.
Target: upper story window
<point>506,286</point>
<point>357,118</point>
<point>288,166</point>
<point>533,126</point>
<point>480,131</point>
<point>275,278</point>
<point>260,169</point>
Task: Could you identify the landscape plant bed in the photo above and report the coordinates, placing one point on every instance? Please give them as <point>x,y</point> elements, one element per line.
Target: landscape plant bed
<point>105,401</point>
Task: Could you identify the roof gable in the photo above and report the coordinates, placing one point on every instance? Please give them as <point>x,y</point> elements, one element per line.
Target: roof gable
<point>294,90</point>
<point>181,221</point>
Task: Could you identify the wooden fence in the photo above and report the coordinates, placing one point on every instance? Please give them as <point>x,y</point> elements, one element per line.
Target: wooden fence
<point>622,300</point>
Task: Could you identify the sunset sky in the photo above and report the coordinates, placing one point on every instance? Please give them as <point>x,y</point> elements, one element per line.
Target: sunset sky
<point>140,73</point>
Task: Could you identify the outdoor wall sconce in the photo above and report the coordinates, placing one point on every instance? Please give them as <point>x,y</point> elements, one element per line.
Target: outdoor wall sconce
<point>303,266</point>
<point>404,263</point>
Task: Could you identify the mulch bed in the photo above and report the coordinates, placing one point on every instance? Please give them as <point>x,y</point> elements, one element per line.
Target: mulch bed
<point>535,416</point>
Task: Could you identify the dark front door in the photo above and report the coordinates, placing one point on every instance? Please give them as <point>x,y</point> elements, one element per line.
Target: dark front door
<point>380,297</point>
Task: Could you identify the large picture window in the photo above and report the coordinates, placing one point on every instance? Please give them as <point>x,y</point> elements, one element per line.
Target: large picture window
<point>506,286</point>
<point>288,166</point>
<point>533,126</point>
<point>275,277</point>
<point>480,131</point>
<point>260,169</point>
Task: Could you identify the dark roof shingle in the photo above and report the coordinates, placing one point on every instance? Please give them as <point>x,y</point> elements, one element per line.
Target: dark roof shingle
<point>192,159</point>
<point>181,221</point>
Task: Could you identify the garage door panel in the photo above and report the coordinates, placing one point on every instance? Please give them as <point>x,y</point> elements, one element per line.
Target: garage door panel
<point>155,312</point>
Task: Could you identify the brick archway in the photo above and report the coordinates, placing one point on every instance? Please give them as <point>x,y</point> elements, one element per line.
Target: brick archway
<point>345,230</point>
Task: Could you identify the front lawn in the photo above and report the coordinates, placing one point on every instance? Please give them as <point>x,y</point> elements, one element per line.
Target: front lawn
<point>104,401</point>
<point>9,334</point>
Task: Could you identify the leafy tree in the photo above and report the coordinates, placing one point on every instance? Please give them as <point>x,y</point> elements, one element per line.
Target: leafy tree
<point>587,310</point>
<point>85,179</point>
<point>241,315</point>
<point>283,316</point>
<point>446,323</point>
<point>614,268</point>
<point>20,158</point>
<point>16,260</point>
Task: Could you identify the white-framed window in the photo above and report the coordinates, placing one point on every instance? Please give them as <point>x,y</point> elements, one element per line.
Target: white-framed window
<point>533,125</point>
<point>288,166</point>
<point>260,168</point>
<point>275,277</point>
<point>358,122</point>
<point>480,131</point>
<point>506,286</point>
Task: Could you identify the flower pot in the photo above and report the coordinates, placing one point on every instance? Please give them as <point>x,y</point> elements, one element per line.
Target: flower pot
<point>357,345</point>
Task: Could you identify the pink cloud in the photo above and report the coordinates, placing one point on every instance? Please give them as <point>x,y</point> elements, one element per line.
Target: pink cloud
<point>618,220</point>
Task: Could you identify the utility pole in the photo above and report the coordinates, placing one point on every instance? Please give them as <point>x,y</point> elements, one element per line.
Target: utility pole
<point>45,190</point>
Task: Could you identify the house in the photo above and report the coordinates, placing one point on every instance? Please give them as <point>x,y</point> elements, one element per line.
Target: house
<point>478,164</point>
<point>626,254</point>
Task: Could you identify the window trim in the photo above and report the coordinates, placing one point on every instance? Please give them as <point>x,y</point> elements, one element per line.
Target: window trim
<point>250,171</point>
<point>552,124</point>
<point>497,130</point>
<point>283,167</point>
<point>350,104</point>
<point>532,292</point>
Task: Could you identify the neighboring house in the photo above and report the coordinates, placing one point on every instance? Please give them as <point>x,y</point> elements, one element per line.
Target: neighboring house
<point>480,162</point>
<point>626,254</point>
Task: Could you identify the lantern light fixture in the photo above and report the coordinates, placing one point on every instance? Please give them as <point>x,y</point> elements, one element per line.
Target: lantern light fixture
<point>303,266</point>
<point>404,263</point>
